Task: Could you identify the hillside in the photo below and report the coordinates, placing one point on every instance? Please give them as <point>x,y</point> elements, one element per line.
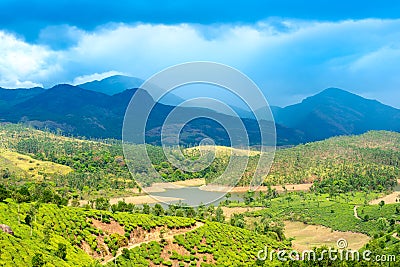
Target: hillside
<point>370,161</point>
<point>45,231</point>
<point>13,164</point>
<point>367,157</point>
<point>95,165</point>
<point>375,154</point>
<point>11,97</point>
<point>65,236</point>
<point>337,112</point>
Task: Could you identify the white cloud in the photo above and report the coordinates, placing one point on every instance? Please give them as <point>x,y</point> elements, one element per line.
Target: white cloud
<point>14,84</point>
<point>287,58</point>
<point>23,64</point>
<point>96,77</point>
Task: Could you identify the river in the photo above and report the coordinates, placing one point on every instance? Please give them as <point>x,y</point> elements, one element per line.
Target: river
<point>193,196</point>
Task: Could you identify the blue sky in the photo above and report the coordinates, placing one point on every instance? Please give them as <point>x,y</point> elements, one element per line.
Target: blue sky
<point>291,49</point>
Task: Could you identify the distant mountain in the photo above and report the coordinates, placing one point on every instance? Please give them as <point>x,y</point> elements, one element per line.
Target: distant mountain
<point>112,85</point>
<point>337,112</point>
<point>69,108</point>
<point>119,83</point>
<point>83,112</point>
<point>10,97</point>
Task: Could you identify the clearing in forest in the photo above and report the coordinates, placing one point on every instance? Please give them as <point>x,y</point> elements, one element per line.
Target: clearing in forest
<point>309,236</point>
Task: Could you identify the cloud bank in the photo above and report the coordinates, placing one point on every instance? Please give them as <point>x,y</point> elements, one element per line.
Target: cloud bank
<point>288,59</point>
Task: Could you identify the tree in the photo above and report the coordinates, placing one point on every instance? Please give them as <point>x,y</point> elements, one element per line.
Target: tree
<point>219,215</point>
<point>28,221</point>
<point>146,209</point>
<point>31,215</point>
<point>179,212</point>
<point>382,223</point>
<point>4,193</point>
<point>37,260</point>
<point>126,254</point>
<point>237,220</point>
<point>102,203</point>
<point>46,235</point>
<point>158,210</point>
<point>228,196</point>
<point>248,197</point>
<point>381,204</point>
<point>61,251</point>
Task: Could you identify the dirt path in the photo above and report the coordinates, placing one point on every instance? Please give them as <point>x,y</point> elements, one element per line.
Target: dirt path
<point>166,236</point>
<point>355,212</point>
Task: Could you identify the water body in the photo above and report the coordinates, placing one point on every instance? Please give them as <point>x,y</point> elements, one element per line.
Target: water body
<point>193,196</point>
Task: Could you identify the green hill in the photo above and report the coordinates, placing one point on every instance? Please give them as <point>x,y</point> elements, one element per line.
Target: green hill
<point>66,236</point>
<point>47,234</point>
<point>370,161</point>
<point>76,164</point>
<point>376,153</point>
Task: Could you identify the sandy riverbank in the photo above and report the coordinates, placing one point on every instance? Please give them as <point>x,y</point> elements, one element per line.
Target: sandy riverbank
<point>161,187</point>
<point>242,189</point>
<point>149,199</point>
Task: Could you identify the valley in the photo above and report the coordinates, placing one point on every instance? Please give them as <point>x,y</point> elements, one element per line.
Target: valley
<point>76,198</point>
<point>199,133</point>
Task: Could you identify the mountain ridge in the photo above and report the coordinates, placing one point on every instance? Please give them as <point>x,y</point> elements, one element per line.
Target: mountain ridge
<point>83,112</point>
<point>335,111</point>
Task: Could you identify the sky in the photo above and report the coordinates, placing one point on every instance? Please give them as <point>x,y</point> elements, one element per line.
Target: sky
<point>290,49</point>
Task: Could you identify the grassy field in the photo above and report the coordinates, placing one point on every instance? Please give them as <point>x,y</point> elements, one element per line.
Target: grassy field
<point>32,168</point>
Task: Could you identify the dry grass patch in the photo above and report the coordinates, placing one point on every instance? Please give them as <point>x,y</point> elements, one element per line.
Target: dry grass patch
<point>228,212</point>
<point>33,167</point>
<point>308,236</point>
<point>223,150</point>
<point>389,199</point>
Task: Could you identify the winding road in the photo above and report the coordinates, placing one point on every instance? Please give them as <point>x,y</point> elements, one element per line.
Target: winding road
<point>355,212</point>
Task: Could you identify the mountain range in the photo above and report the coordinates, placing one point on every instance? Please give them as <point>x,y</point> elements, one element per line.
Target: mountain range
<point>97,110</point>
